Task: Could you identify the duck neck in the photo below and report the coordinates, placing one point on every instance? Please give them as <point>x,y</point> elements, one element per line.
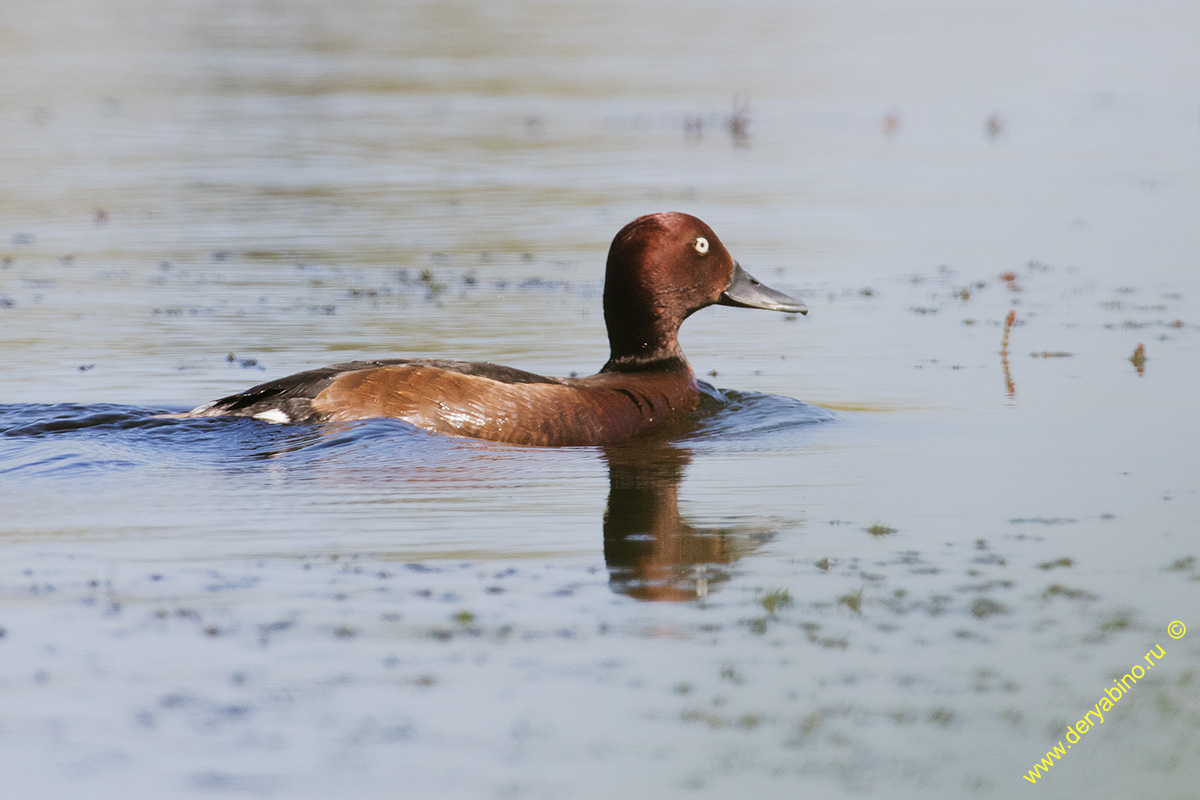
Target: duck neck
<point>658,350</point>
<point>641,341</point>
<point>675,363</point>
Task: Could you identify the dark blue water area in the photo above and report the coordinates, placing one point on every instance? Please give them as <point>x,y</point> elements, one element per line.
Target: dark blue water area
<point>752,420</point>
<point>69,439</point>
<point>72,439</point>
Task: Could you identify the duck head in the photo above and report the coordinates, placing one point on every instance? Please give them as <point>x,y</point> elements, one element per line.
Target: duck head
<point>662,268</point>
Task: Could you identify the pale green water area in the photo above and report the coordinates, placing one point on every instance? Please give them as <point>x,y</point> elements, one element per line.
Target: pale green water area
<point>892,562</point>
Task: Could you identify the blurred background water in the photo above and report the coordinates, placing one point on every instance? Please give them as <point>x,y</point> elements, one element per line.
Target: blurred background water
<point>894,561</point>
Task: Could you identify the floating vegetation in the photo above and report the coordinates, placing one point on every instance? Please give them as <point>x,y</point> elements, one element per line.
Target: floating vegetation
<point>1061,562</point>
<point>985,607</point>
<point>891,123</point>
<point>244,363</point>
<point>941,716</point>
<point>739,121</point>
<point>1138,359</point>
<point>852,601</point>
<point>1058,590</point>
<point>1118,622</point>
<point>433,286</point>
<point>730,674</point>
<point>749,721</point>
<point>711,719</point>
<point>878,529</point>
<point>775,599</point>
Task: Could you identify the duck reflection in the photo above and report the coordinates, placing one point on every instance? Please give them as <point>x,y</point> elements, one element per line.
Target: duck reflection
<point>651,551</point>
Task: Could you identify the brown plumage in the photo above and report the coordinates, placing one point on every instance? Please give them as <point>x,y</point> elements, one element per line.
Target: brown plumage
<point>661,269</point>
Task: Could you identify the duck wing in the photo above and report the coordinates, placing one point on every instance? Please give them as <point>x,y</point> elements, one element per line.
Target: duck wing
<point>290,399</point>
<point>474,399</point>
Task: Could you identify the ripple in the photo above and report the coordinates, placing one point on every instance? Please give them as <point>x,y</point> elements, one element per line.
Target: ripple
<point>73,438</point>
<point>39,419</point>
<point>730,414</point>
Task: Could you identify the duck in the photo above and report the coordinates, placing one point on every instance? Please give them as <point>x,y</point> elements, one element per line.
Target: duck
<point>661,269</point>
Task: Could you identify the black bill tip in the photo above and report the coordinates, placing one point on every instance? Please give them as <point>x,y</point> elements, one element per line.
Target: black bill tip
<point>746,291</point>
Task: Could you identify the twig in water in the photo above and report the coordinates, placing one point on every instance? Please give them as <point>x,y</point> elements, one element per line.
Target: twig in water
<point>1008,324</point>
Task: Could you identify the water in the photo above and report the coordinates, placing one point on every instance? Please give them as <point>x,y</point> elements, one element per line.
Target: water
<point>887,560</point>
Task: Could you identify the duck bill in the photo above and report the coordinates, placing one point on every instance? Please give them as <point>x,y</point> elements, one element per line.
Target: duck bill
<point>746,291</point>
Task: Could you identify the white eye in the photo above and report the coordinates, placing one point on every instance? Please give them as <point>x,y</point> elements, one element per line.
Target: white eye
<point>701,245</point>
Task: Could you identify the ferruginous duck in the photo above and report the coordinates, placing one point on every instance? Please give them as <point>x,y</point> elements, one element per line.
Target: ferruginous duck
<point>662,268</point>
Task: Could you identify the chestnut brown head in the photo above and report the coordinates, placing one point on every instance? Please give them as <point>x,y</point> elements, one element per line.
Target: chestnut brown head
<point>661,269</point>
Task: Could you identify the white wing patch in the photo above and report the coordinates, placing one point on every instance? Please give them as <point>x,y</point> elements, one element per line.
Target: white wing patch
<point>274,416</point>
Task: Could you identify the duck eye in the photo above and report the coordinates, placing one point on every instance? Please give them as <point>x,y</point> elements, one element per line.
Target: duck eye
<point>701,245</point>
